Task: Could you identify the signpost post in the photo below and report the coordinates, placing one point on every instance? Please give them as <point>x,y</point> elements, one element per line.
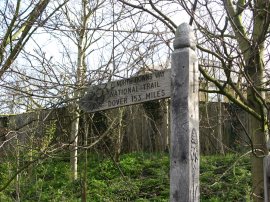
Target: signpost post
<point>181,85</point>
<point>184,170</point>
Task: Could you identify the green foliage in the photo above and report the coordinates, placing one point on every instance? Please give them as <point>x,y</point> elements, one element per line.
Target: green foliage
<point>145,177</point>
<point>225,178</point>
<point>107,184</point>
<point>49,135</point>
<point>6,195</point>
<point>49,181</point>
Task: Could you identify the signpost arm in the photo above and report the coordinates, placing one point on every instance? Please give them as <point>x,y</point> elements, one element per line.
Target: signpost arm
<point>184,165</point>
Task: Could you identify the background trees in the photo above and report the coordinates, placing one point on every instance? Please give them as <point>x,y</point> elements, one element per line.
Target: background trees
<point>237,37</point>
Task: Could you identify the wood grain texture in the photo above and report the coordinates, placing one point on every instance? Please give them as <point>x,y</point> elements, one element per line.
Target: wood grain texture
<point>134,90</point>
<point>184,166</point>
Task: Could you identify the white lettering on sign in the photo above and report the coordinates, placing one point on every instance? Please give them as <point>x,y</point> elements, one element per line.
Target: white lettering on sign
<point>129,91</point>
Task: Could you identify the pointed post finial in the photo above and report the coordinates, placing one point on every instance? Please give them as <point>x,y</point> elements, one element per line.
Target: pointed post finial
<point>184,37</point>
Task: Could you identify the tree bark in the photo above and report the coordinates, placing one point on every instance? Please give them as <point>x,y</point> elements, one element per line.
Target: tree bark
<point>75,116</point>
<point>258,135</point>
<point>82,45</point>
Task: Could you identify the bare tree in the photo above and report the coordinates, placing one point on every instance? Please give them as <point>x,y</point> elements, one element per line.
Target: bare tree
<point>235,34</point>
<point>19,22</point>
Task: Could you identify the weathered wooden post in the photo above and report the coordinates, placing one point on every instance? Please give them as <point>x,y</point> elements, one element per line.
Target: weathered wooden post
<point>184,170</point>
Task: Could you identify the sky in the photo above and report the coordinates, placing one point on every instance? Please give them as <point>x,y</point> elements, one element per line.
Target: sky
<point>57,51</point>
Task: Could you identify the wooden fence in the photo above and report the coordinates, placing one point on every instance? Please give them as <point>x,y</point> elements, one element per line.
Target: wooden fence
<point>143,127</point>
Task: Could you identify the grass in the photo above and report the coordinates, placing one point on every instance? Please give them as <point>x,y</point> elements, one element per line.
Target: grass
<point>137,177</point>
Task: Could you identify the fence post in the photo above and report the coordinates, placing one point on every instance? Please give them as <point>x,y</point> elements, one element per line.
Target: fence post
<point>184,165</point>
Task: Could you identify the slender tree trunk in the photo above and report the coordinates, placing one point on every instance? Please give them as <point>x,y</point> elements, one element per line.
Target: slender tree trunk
<point>259,139</point>
<point>80,82</point>
<point>86,132</point>
<point>74,141</point>
<point>17,168</point>
<point>219,128</point>
<point>119,134</point>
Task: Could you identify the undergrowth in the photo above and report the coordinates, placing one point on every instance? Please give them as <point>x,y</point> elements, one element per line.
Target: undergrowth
<point>137,177</point>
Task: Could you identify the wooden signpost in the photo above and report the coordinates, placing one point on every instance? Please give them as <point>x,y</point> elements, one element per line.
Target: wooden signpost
<point>181,85</point>
<point>134,90</point>
<point>184,170</point>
